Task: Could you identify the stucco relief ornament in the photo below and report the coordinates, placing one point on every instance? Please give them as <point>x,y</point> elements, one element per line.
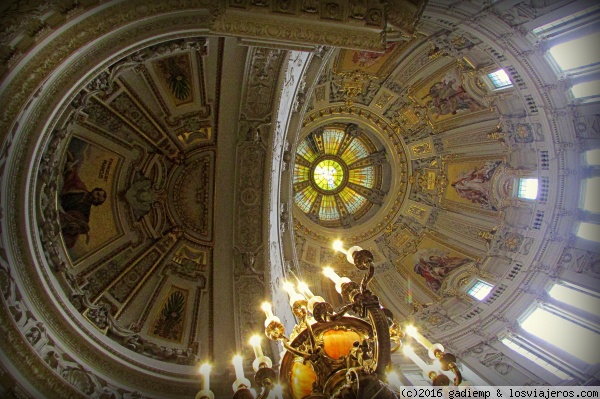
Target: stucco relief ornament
<point>310,6</point>
<point>249,263</point>
<point>140,196</point>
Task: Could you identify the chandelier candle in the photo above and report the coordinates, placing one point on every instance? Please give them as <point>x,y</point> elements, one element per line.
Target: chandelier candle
<point>410,352</point>
<point>205,393</point>
<point>205,373</point>
<point>303,288</point>
<point>240,380</point>
<point>412,331</point>
<point>294,296</point>
<point>337,280</point>
<point>255,342</point>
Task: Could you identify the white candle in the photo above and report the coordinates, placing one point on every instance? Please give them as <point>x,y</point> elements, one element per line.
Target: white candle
<point>303,288</point>
<point>255,342</point>
<point>268,309</point>
<point>294,296</point>
<point>408,351</point>
<point>205,373</point>
<point>329,272</point>
<point>412,331</point>
<point>239,367</point>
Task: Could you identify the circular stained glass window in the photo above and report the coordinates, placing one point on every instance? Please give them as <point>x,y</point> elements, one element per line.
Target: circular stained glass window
<point>337,175</point>
<point>328,174</point>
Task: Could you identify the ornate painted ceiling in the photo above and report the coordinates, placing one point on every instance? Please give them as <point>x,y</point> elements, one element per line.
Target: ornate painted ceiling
<point>166,166</point>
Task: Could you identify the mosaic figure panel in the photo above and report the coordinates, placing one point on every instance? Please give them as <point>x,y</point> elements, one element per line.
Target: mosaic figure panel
<point>470,183</point>
<point>85,205</point>
<point>445,97</point>
<point>432,262</point>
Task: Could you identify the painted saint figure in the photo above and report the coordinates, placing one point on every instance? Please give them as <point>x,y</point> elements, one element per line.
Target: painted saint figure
<point>448,97</point>
<point>76,203</point>
<point>474,185</point>
<point>434,267</point>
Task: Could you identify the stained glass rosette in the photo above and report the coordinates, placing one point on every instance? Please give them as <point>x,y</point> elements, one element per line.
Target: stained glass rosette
<point>334,175</point>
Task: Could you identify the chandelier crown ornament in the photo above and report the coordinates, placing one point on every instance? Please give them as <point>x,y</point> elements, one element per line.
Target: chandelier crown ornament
<point>337,354</point>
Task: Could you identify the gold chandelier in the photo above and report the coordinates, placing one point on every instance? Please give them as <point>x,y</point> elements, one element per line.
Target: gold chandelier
<point>331,354</point>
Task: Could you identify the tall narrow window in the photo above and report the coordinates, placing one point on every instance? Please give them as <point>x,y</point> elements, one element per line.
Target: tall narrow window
<point>577,53</point>
<point>528,188</point>
<point>500,79</point>
<point>521,350</point>
<point>480,290</point>
<point>591,194</point>
<point>592,157</point>
<point>586,89</point>
<point>576,298</point>
<point>564,334</point>
<point>589,231</point>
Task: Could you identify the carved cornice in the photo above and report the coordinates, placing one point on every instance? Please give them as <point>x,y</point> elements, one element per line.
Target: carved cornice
<point>271,29</point>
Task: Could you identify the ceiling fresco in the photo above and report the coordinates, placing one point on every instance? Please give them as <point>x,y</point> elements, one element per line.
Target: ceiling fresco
<point>432,113</point>
<point>135,199</point>
<point>166,167</point>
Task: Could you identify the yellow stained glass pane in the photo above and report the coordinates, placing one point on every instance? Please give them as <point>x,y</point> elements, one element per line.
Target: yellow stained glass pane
<point>355,151</point>
<point>363,176</point>
<point>301,173</point>
<point>306,152</point>
<point>331,140</point>
<point>328,209</point>
<point>352,199</point>
<point>305,198</point>
<point>328,174</point>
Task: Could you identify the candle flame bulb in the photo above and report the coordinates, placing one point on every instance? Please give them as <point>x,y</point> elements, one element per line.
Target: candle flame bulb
<point>205,372</point>
<point>338,245</point>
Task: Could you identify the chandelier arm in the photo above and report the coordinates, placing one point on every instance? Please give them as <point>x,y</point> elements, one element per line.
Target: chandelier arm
<point>296,352</point>
<point>457,374</point>
<point>381,338</point>
<point>341,312</point>
<point>265,393</point>
<point>311,336</point>
<point>367,278</point>
<point>395,348</point>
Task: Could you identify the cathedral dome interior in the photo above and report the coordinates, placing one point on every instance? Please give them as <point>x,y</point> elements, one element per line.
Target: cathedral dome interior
<point>166,166</point>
